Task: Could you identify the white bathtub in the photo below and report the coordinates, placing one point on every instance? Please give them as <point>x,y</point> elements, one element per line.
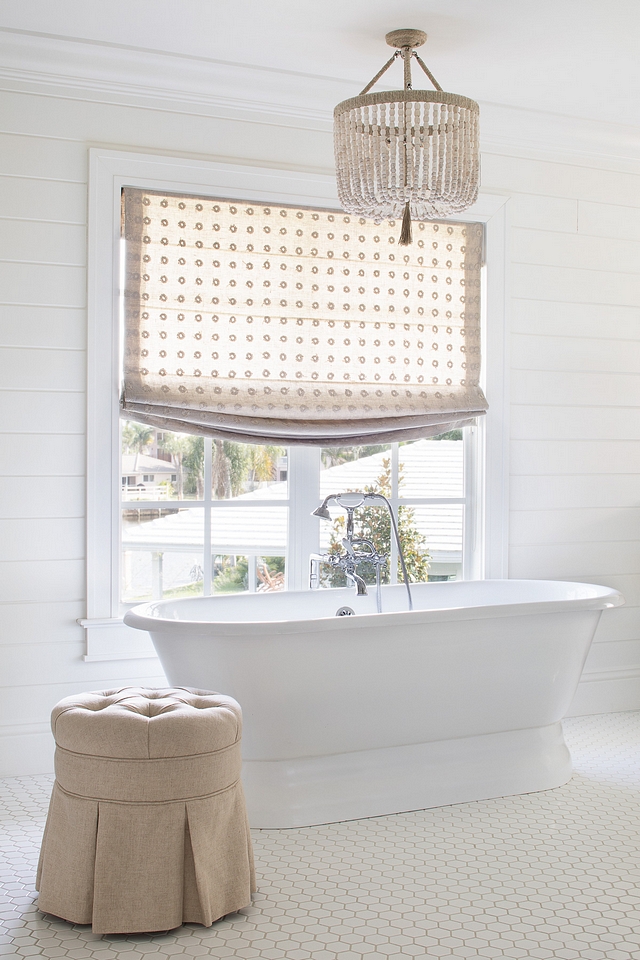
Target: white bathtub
<point>358,716</point>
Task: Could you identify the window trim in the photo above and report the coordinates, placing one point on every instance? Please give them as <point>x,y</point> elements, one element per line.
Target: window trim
<point>109,170</point>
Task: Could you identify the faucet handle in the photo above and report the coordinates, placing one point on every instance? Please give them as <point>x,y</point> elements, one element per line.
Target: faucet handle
<point>346,543</point>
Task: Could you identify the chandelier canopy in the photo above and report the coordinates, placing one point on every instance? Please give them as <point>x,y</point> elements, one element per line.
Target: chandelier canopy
<point>407,153</point>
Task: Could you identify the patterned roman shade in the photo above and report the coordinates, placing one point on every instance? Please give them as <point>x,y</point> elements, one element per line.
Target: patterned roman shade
<point>269,323</point>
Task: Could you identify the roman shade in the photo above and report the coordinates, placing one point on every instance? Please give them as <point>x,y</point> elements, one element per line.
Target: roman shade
<point>268,323</point>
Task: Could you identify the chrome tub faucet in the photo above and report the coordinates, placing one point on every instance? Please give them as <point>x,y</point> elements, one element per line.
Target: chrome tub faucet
<point>357,550</point>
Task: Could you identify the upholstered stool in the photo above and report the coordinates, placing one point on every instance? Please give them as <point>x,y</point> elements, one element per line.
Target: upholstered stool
<point>147,826</point>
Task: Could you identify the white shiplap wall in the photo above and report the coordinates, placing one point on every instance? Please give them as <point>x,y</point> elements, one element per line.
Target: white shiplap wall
<point>575,451</point>
<point>575,395</point>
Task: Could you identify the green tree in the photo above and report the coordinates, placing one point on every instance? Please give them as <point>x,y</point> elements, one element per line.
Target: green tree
<point>179,445</point>
<point>135,436</point>
<point>193,466</point>
<point>238,467</point>
<point>262,462</point>
<point>237,455</point>
<point>220,471</point>
<point>373,523</point>
<point>231,574</point>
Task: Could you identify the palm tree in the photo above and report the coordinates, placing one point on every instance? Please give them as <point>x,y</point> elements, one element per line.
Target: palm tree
<point>220,472</point>
<point>135,437</point>
<point>262,463</point>
<point>177,444</point>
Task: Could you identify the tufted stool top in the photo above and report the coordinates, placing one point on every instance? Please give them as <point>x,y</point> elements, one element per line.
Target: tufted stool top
<point>139,723</point>
<point>141,745</point>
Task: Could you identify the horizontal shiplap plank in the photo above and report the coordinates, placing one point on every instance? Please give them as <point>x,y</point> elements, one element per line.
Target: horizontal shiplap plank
<point>608,220</point>
<point>43,157</point>
<point>48,580</point>
<point>31,497</point>
<point>42,622</point>
<point>620,655</point>
<point>620,623</point>
<point>559,179</point>
<point>26,750</point>
<point>578,525</point>
<point>546,422</point>
<point>584,252</point>
<point>63,328</point>
<point>570,353</point>
<point>60,538</point>
<point>30,240</point>
<point>575,319</point>
<point>628,584</point>
<point>289,142</point>
<point>600,490</point>
<point>575,457</point>
<point>574,561</point>
<point>55,662</point>
<point>31,703</point>
<point>29,199</point>
<point>28,411</point>
<point>576,389</point>
<point>544,213</point>
<point>535,282</point>
<point>42,455</point>
<point>43,283</point>
<point>36,369</point>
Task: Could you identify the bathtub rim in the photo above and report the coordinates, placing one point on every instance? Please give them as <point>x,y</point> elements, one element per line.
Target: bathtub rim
<point>140,617</point>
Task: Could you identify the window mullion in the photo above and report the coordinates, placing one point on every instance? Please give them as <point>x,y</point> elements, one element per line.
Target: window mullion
<point>303,536</point>
<point>395,503</point>
<point>472,551</point>
<point>207,563</point>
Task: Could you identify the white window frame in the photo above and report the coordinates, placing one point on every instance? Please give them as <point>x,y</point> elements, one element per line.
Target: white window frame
<point>486,475</point>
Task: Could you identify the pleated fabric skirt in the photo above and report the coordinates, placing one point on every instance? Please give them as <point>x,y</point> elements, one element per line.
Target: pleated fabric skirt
<point>142,867</point>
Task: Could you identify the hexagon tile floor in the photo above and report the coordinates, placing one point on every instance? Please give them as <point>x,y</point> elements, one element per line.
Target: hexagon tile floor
<point>546,875</point>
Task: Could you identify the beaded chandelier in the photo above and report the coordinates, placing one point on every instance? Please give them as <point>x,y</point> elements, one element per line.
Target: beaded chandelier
<point>407,153</point>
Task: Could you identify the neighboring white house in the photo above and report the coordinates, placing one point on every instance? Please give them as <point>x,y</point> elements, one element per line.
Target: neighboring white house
<point>146,474</point>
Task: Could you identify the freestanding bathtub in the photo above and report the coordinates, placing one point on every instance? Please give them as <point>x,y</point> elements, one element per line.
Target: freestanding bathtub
<point>357,716</point>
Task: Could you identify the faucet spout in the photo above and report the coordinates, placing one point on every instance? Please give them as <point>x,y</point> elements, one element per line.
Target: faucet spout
<point>360,585</point>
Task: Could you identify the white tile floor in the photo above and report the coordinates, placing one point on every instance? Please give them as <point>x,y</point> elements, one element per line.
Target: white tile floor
<point>547,875</point>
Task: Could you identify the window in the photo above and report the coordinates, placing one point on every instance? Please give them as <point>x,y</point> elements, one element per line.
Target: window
<point>204,558</point>
<point>225,525</point>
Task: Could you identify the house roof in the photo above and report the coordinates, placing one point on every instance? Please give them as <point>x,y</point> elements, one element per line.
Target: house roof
<point>431,469</point>
<point>134,463</point>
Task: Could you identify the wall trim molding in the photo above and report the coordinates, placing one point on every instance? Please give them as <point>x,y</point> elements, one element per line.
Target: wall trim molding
<point>617,673</point>
<point>607,691</point>
<point>158,80</point>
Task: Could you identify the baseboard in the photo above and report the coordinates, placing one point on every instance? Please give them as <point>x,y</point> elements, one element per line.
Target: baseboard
<point>608,691</point>
<point>26,750</point>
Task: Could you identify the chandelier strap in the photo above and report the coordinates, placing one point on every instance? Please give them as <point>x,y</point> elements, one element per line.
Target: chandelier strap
<point>427,71</point>
<point>379,74</point>
<point>406,56</point>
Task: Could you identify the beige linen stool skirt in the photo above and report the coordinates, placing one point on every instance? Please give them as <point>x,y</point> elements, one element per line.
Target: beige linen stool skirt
<point>147,826</point>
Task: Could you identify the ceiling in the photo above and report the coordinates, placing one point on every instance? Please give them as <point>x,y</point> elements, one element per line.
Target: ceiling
<point>577,58</point>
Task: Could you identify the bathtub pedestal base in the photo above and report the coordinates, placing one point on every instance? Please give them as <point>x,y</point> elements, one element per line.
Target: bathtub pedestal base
<point>371,783</point>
